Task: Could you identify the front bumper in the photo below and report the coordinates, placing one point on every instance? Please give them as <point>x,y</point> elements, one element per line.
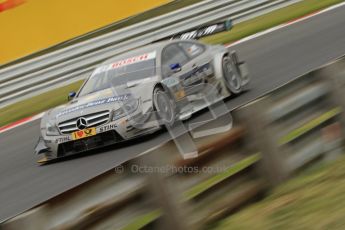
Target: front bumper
<point>52,151</point>
<point>89,143</point>
<point>53,147</point>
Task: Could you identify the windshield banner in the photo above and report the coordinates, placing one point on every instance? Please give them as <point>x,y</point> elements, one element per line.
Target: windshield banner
<point>125,62</point>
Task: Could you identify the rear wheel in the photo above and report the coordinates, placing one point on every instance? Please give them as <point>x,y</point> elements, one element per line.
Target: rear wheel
<point>164,106</point>
<point>232,77</point>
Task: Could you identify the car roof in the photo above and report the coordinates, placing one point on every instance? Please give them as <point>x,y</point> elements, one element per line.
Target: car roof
<point>158,46</point>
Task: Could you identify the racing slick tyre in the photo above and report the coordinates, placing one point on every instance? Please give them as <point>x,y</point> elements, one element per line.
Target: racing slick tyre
<point>164,106</point>
<point>232,77</point>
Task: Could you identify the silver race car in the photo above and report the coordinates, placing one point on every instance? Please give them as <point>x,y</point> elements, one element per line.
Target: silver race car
<point>138,92</point>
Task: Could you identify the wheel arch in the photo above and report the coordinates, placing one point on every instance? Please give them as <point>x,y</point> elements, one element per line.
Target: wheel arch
<point>163,87</point>
<point>218,68</point>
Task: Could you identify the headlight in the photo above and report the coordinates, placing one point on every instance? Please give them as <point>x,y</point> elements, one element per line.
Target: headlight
<point>51,130</point>
<point>129,107</point>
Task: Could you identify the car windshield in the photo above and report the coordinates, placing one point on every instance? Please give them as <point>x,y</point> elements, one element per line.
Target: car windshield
<point>120,73</point>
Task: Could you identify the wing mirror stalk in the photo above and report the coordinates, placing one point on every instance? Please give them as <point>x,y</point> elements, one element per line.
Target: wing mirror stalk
<point>176,67</point>
<point>71,95</point>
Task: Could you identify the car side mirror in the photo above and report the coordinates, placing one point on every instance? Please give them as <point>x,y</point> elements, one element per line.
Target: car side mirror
<point>175,67</point>
<point>71,95</point>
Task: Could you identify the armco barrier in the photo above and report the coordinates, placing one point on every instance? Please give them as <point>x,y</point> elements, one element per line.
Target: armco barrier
<point>274,137</point>
<point>75,62</point>
<point>298,124</point>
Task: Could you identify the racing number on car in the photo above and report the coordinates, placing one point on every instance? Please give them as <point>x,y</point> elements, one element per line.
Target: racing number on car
<point>83,133</point>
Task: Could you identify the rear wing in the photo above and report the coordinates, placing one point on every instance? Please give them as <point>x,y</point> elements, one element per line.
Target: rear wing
<point>204,30</point>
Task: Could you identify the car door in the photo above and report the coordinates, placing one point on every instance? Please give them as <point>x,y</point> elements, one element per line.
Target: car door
<point>172,54</point>
<point>199,66</point>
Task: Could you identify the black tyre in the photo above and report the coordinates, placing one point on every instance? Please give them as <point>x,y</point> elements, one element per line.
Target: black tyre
<point>164,106</point>
<point>232,77</point>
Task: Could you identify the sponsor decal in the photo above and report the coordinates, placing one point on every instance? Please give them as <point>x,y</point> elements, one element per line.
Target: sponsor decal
<point>170,81</point>
<point>180,94</point>
<point>62,139</point>
<point>198,33</point>
<point>196,75</point>
<point>95,103</point>
<point>83,133</point>
<point>125,62</point>
<point>123,122</point>
<point>204,31</point>
<point>107,128</point>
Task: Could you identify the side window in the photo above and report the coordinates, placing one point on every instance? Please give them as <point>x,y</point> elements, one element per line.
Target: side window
<point>172,54</point>
<point>192,49</point>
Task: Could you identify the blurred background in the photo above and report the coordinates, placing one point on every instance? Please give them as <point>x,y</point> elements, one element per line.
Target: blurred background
<point>28,26</point>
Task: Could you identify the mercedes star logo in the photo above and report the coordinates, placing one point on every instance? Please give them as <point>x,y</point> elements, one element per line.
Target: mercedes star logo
<point>81,123</point>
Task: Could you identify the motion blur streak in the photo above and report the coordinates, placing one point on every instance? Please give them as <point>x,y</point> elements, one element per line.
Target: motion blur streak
<point>274,59</point>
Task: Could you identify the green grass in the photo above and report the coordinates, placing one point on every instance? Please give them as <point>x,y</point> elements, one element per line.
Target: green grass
<point>36,104</point>
<point>142,221</point>
<point>309,126</point>
<point>50,99</point>
<point>207,184</point>
<point>313,200</point>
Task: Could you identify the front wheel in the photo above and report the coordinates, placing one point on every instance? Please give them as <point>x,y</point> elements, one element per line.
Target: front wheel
<point>164,106</point>
<point>232,77</point>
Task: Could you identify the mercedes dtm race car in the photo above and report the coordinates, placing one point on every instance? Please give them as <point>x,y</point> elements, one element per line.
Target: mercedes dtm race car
<point>135,93</point>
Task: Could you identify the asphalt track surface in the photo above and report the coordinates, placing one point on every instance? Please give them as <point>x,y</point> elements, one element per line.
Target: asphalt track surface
<point>274,59</point>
